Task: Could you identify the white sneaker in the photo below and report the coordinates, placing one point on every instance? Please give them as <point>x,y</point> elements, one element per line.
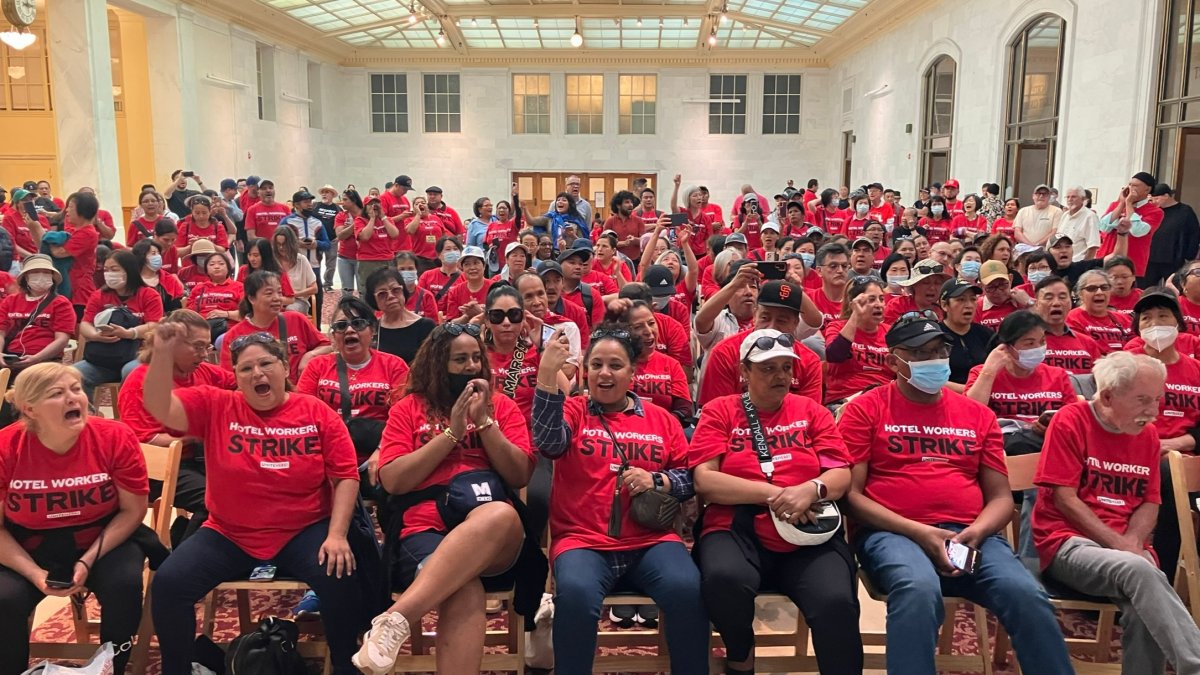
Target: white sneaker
<point>381,644</point>
<point>539,644</point>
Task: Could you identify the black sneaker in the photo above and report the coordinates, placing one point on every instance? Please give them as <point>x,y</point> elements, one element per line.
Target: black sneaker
<point>647,616</point>
<point>622,616</point>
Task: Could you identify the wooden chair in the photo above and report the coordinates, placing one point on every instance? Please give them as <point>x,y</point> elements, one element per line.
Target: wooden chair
<point>5,379</point>
<point>1185,478</point>
<point>1021,472</point>
<point>421,660</point>
<point>795,639</point>
<point>161,464</point>
<point>108,392</point>
<point>632,637</point>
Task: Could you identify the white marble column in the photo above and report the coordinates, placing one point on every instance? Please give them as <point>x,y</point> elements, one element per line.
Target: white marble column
<point>170,42</point>
<point>81,77</point>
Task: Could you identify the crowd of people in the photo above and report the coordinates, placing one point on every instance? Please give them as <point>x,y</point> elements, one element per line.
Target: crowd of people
<point>833,377</point>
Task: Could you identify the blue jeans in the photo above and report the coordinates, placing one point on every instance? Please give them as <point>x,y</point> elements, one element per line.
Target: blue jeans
<point>94,376</point>
<point>347,269</point>
<point>664,571</point>
<point>899,567</point>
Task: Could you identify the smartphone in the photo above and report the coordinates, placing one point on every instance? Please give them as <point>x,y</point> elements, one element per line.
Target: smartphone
<point>12,358</point>
<point>189,174</point>
<point>772,270</point>
<point>678,219</point>
<point>61,577</point>
<point>962,557</point>
<point>31,209</point>
<point>1045,417</point>
<point>262,573</point>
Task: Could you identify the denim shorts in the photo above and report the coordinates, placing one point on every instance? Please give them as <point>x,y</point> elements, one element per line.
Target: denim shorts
<point>415,549</point>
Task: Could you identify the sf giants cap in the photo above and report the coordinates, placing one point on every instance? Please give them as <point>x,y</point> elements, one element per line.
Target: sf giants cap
<point>782,294</point>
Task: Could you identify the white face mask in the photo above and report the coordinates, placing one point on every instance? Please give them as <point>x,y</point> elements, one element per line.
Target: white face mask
<point>114,280</point>
<point>1160,337</point>
<point>39,282</point>
<point>862,209</point>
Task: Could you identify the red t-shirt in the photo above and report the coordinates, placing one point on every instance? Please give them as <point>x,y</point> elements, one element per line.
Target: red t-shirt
<point>1026,398</point>
<point>19,231</point>
<point>409,429</point>
<point>423,242</point>
<point>133,234</point>
<point>954,208</point>
<point>57,317</point>
<point>1112,473</point>
<point>371,387</point>
<point>600,273</point>
<point>1124,305</point>
<point>132,405</point>
<point>993,315</point>
<point>898,305</point>
<point>1186,343</point>
<point>865,368</point>
<point>381,245</point>
<point>259,461</point>
<point>302,339</point>
<point>245,201</point>
<point>82,246</point>
<point>673,340</point>
<point>1191,315</point>
<point>208,296</point>
<point>500,233</point>
<point>435,280</point>
<point>598,307</point>
<point>393,206</point>
<point>285,284</point>
<point>1004,226</point>
<point>261,219</point>
<point>723,373</point>
<point>1110,332</point>
<point>923,461</point>
<point>601,281</point>
<point>1179,411</point>
<point>883,213</point>
<point>831,310</point>
<point>43,490</point>
<point>1073,352</point>
<point>190,232</point>
<point>146,304</point>
<point>961,224</point>
<point>803,442</point>
<point>460,294</point>
<point>526,377</point>
<point>832,222</point>
<point>575,314</point>
<point>192,276</point>
<point>703,226</point>
<point>633,226</point>
<point>451,221</point>
<point>937,230</point>
<point>581,495</point>
<point>854,227</point>
<point>1139,247</point>
<point>346,248</point>
<point>660,380</point>
<point>424,303</point>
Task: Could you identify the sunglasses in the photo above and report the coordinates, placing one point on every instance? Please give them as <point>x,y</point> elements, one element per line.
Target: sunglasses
<point>359,324</point>
<point>456,329</point>
<point>497,316</point>
<point>616,334</point>
<point>259,338</point>
<point>766,343</point>
<point>930,268</point>
<point>919,315</point>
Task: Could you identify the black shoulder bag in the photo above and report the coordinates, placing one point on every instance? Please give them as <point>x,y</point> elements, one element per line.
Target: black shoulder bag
<point>366,434</point>
<point>651,509</point>
<point>446,289</point>
<point>513,376</point>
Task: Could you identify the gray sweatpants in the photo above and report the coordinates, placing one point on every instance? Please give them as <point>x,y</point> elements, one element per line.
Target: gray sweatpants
<point>1154,619</point>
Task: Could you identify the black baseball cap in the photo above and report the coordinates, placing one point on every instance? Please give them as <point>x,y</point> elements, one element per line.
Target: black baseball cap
<point>660,281</point>
<point>403,181</point>
<point>302,195</point>
<point>783,294</point>
<point>547,267</point>
<point>914,333</point>
<point>956,287</point>
<point>1159,298</point>
<point>1058,237</point>
<point>585,254</point>
<point>1161,190</point>
<point>432,189</point>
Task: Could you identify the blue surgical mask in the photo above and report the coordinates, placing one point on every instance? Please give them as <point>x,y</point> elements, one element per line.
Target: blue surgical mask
<point>1031,358</point>
<point>1036,276</point>
<point>808,259</point>
<point>970,269</point>
<point>451,257</point>
<point>937,209</point>
<point>409,277</point>
<point>929,376</point>
<point>155,262</point>
<point>862,209</point>
<point>895,279</point>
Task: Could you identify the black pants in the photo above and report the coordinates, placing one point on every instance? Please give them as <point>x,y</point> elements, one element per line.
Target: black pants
<point>189,495</point>
<point>1166,531</point>
<point>208,558</point>
<point>117,582</point>
<point>1156,272</point>
<point>819,579</point>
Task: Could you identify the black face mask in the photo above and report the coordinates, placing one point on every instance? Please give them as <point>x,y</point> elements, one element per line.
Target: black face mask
<point>458,382</point>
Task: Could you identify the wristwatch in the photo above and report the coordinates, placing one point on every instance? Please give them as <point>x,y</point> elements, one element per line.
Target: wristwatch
<point>822,491</point>
<point>658,482</point>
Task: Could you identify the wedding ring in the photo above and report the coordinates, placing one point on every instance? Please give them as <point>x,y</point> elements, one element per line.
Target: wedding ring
<point>787,516</point>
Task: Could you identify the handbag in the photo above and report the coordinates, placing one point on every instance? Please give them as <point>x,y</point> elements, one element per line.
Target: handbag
<point>269,649</point>
<point>829,518</point>
<point>651,509</point>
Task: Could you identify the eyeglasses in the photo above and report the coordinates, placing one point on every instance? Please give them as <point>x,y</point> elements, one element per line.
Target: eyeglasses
<point>201,347</point>
<point>259,338</point>
<point>1096,287</point>
<point>941,351</point>
<point>836,266</point>
<point>614,333</point>
<point>1193,273</point>
<point>359,324</point>
<point>456,329</point>
<point>497,316</point>
<point>766,343</point>
<point>389,292</point>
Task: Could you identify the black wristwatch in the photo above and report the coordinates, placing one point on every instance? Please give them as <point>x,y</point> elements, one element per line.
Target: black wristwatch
<point>659,484</point>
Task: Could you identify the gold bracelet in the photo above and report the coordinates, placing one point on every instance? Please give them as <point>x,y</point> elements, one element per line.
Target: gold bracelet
<point>486,425</point>
<point>448,434</point>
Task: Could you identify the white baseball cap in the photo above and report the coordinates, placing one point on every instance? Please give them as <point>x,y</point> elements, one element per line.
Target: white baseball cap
<point>766,344</point>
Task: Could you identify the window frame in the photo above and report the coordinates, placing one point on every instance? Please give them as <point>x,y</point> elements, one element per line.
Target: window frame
<point>630,121</point>
<point>400,100</point>
<point>595,118</point>
<point>771,120</point>
<point>521,117</point>
<point>1012,139</point>
<point>718,113</point>
<point>452,96</point>
<point>932,144</point>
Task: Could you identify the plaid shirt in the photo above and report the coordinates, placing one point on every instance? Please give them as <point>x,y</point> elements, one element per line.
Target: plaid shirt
<point>552,435</point>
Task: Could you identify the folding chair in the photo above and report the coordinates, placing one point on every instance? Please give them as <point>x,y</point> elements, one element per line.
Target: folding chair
<point>421,660</point>
<point>1185,478</point>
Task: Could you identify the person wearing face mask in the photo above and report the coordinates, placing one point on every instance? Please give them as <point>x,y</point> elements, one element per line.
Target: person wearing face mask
<point>451,429</point>
<point>1133,215</point>
<point>35,323</point>
<point>127,311</point>
<point>908,508</point>
<point>1015,381</point>
<point>938,224</point>
<point>894,270</point>
<point>1159,322</point>
<point>167,285</point>
<point>1099,495</point>
<point>1066,349</point>
<point>1111,330</point>
<point>856,222</point>
<point>968,263</point>
<point>828,215</point>
<point>442,278</point>
<point>855,351</point>
<point>420,301</point>
<point>968,340</point>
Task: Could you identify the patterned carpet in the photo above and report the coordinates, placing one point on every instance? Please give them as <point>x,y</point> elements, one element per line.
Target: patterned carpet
<point>58,627</point>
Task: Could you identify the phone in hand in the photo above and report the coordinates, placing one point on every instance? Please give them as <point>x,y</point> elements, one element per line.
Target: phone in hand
<point>189,174</point>
<point>12,358</point>
<point>771,269</point>
<point>1045,417</point>
<point>61,578</point>
<point>31,210</point>
<point>679,219</point>
<point>962,557</point>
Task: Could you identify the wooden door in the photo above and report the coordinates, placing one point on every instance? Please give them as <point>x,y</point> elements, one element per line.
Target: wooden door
<point>1187,165</point>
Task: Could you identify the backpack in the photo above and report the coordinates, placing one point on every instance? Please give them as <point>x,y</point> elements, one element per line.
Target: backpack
<point>6,250</point>
<point>270,649</point>
<point>114,355</point>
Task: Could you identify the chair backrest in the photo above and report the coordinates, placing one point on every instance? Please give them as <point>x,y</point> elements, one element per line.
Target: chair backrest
<point>1021,470</point>
<point>1185,478</point>
<point>5,377</point>
<point>163,464</point>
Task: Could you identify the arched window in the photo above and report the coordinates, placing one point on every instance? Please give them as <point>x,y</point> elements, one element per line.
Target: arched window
<point>1177,136</point>
<point>937,129</point>
<point>1031,125</point>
